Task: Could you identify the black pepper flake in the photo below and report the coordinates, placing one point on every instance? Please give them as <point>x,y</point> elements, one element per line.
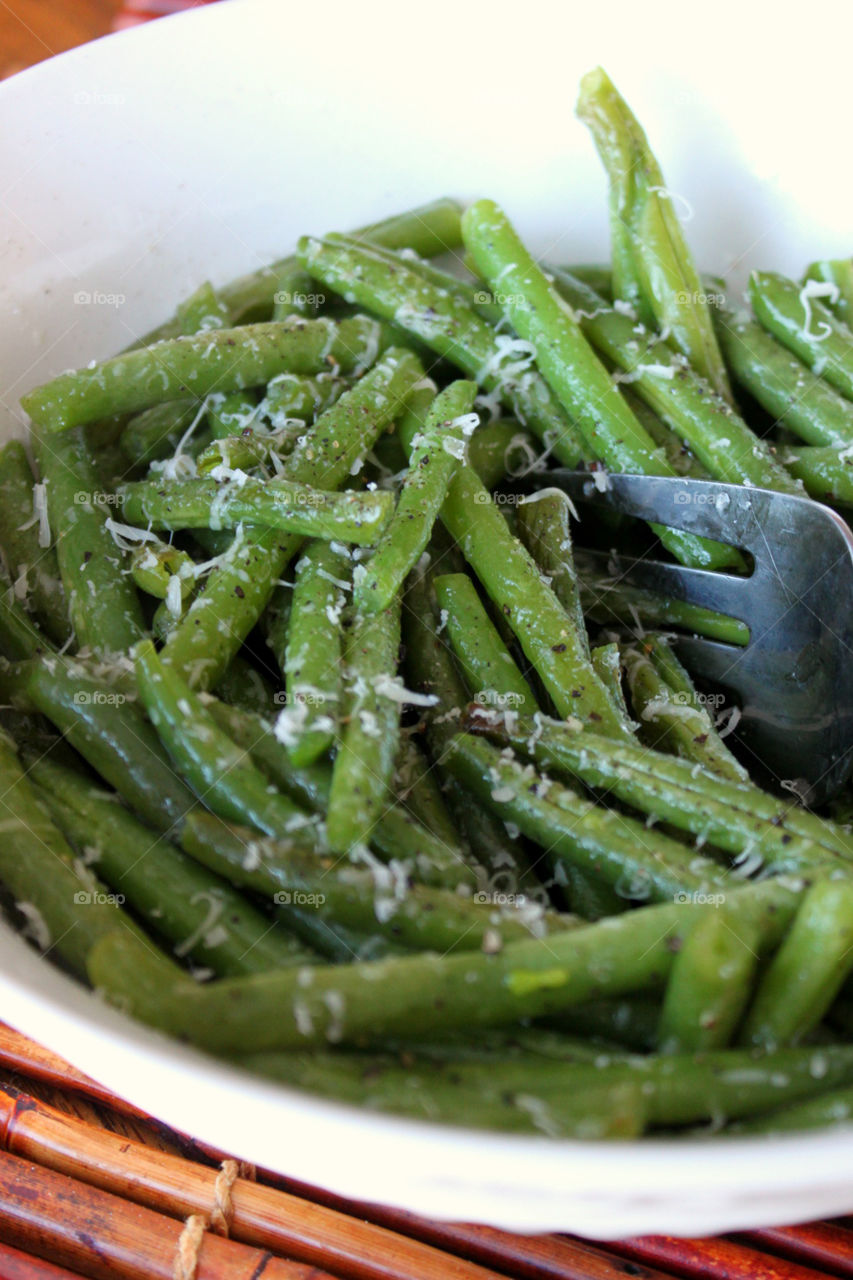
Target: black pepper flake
<point>239,592</point>
<point>558,648</point>
<point>87,556</point>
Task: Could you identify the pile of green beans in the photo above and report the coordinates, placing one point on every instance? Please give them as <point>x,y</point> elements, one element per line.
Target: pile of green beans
<point>322,750</point>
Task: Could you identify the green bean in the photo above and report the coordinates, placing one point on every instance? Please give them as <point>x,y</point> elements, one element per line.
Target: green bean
<point>221,360</point>
<point>597,275</point>
<point>807,972</point>
<point>570,366</point>
<point>244,452</point>
<point>65,910</point>
<point>783,385</point>
<point>375,900</point>
<point>20,635</point>
<point>671,711</point>
<point>709,986</point>
<point>717,436</point>
<point>542,524</point>
<point>396,834</point>
<point>245,687</point>
<point>417,789</point>
<point>238,591</point>
<point>489,669</point>
<point>26,547</point>
<point>333,941</point>
<point>837,272</point>
<point>834,1107</point>
<point>630,1023</point>
<point>826,472</point>
<point>652,264</point>
<point>155,433</point>
<point>435,454</point>
<point>639,863</point>
<point>110,732</point>
<point>797,317</point>
<point>732,814</point>
<point>215,768</point>
<point>676,452</point>
<point>203,310</point>
<point>364,765</point>
<point>449,327</point>
<point>313,654</point>
<point>480,1096</point>
<point>609,600</point>
<point>228,415</point>
<point>428,229</point>
<point>431,669</point>
<point>607,663</point>
<point>415,995</point>
<point>273,504</point>
<point>163,571</point>
<point>501,448</point>
<point>547,634</point>
<point>292,396</point>
<point>104,607</point>
<point>197,912</point>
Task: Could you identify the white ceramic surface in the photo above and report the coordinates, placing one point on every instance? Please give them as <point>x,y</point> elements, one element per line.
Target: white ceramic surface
<point>201,146</point>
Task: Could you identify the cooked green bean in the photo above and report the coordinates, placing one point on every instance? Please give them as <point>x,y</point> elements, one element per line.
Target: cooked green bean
<point>652,264</point>
<point>273,504</point>
<point>799,319</point>
<point>807,972</point>
<point>827,473</point>
<point>313,654</point>
<point>215,768</point>
<point>110,732</point>
<point>509,575</point>
<point>220,360</point>
<point>65,910</point>
<point>732,814</point>
<point>782,384</point>
<point>839,273</point>
<point>237,592</point>
<point>449,327</point>
<point>364,765</point>
<point>570,366</point>
<point>163,571</point>
<point>198,912</point>
<point>26,546</point>
<point>415,995</point>
<point>709,985</point>
<point>373,900</point>
<point>490,671</point>
<point>435,454</point>
<point>717,436</point>
<point>672,712</point>
<point>102,600</point>
<point>396,834</point>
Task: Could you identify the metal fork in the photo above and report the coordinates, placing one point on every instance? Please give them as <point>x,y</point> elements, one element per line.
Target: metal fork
<point>794,678</point>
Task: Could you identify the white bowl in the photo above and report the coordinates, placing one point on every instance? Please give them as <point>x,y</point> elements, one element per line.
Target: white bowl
<point>201,146</point>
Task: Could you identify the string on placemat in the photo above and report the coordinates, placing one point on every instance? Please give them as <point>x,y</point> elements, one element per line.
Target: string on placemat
<point>219,1220</point>
<point>189,1247</point>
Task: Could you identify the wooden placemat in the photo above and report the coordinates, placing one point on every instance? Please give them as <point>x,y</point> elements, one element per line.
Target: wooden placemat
<point>90,1186</point>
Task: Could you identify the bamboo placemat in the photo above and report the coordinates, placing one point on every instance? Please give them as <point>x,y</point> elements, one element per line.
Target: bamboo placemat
<point>90,1186</point>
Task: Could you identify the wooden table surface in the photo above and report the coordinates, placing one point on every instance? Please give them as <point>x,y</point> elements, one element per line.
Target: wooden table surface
<point>32,30</point>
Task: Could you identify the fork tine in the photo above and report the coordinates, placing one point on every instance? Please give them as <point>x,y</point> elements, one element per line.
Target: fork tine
<point>716,662</point>
<point>722,592</point>
<point>727,513</point>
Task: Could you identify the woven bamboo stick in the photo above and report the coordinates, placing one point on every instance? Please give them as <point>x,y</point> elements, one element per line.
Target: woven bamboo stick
<point>19,1053</point>
<point>107,1238</point>
<point>711,1259</point>
<point>15,1265</point>
<point>817,1244</point>
<point>254,1214</point>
